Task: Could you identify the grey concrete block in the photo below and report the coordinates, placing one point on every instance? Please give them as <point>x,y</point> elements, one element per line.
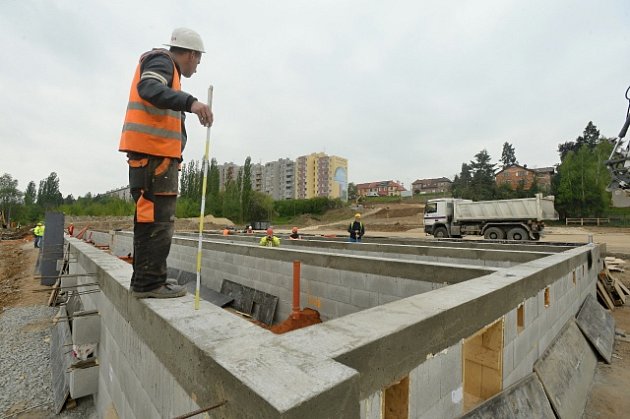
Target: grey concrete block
<point>509,327</point>
<point>371,406</point>
<point>363,299</point>
<point>86,329</point>
<point>508,359</point>
<point>451,367</point>
<point>83,381</point>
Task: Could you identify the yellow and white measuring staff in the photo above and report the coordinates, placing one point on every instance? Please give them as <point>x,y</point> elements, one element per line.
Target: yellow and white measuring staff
<point>203,203</point>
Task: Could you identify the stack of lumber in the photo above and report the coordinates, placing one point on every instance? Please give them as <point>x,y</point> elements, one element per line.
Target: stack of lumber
<point>610,290</point>
<point>614,264</point>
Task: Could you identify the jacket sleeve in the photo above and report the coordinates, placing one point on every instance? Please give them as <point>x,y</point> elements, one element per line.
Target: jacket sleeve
<point>156,80</point>
<point>263,241</point>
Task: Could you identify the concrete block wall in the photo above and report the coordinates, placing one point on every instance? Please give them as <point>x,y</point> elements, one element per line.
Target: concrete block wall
<point>435,388</point>
<point>333,291</point>
<point>348,287</point>
<point>335,369</point>
<point>543,323</point>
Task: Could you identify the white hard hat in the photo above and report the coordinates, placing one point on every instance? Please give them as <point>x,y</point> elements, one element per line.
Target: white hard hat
<point>187,39</point>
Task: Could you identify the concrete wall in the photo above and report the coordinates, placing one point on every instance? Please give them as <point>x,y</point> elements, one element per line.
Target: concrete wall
<point>162,358</point>
<point>334,282</point>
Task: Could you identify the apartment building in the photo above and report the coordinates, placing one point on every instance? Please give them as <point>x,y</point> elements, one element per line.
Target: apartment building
<point>279,179</point>
<point>321,175</point>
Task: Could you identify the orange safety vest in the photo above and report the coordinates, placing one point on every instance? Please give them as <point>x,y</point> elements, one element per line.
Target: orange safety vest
<point>148,129</point>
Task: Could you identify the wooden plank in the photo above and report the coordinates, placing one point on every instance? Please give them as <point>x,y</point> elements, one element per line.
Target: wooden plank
<point>623,288</point>
<point>620,293</point>
<point>52,300</point>
<point>603,294</point>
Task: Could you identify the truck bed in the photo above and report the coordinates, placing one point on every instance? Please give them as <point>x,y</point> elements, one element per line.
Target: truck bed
<point>538,209</point>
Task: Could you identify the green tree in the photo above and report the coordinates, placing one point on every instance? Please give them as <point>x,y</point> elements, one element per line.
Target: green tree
<point>353,191</point>
<point>246,190</point>
<point>590,137</point>
<point>508,155</point>
<point>48,195</point>
<point>10,196</point>
<point>214,201</point>
<point>581,190</point>
<point>482,184</point>
<point>30,195</point>
<point>262,206</point>
<point>231,201</point>
<point>462,182</point>
<point>190,182</point>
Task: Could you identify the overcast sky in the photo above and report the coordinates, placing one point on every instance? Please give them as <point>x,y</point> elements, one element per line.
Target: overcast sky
<point>403,89</point>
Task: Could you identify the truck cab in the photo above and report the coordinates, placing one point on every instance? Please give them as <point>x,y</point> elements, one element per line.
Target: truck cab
<point>438,216</point>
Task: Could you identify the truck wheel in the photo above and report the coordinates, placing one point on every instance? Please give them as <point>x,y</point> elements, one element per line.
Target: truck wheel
<point>517,233</point>
<point>440,233</point>
<point>494,233</point>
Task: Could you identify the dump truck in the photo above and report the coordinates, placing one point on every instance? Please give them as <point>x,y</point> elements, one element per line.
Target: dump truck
<point>512,219</point>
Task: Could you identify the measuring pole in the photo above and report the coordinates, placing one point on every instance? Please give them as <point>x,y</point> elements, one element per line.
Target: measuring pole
<point>203,203</point>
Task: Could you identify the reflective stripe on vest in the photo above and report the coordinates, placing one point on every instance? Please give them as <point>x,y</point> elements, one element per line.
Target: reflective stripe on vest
<point>148,129</point>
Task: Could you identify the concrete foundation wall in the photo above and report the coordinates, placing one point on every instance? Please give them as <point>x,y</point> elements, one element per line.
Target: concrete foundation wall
<point>334,283</point>
<point>162,358</point>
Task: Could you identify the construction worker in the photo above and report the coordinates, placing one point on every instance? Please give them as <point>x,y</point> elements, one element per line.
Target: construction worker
<point>71,230</point>
<point>249,230</point>
<point>269,240</point>
<point>38,232</point>
<point>356,229</point>
<point>226,231</point>
<point>294,234</point>
<point>154,136</point>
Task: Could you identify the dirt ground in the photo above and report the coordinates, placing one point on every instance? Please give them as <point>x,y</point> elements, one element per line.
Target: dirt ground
<point>18,285</point>
<point>609,394</point>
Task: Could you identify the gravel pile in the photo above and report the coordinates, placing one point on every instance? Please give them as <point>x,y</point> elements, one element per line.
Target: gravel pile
<point>25,373</point>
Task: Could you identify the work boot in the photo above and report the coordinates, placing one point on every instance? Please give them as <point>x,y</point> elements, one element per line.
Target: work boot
<point>172,281</point>
<point>164,291</point>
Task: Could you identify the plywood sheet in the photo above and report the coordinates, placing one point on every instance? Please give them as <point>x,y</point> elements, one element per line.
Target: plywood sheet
<point>598,325</point>
<point>566,371</point>
<point>523,400</point>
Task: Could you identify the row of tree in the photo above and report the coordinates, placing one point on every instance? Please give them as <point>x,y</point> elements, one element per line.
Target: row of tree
<point>30,205</point>
<point>579,184</point>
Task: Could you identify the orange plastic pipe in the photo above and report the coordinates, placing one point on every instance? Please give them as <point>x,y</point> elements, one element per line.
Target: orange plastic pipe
<point>295,312</point>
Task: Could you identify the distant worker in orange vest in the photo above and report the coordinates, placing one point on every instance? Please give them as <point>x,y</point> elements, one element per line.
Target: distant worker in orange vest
<point>294,234</point>
<point>154,136</point>
<point>226,231</point>
<point>71,230</point>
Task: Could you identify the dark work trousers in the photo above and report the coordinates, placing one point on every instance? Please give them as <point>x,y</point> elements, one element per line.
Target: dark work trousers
<point>153,183</point>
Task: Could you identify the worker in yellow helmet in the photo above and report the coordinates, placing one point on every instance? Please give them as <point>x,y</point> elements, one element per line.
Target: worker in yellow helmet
<point>356,229</point>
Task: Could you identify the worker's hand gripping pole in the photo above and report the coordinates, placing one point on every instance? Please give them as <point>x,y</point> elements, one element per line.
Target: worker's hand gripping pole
<point>203,202</point>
